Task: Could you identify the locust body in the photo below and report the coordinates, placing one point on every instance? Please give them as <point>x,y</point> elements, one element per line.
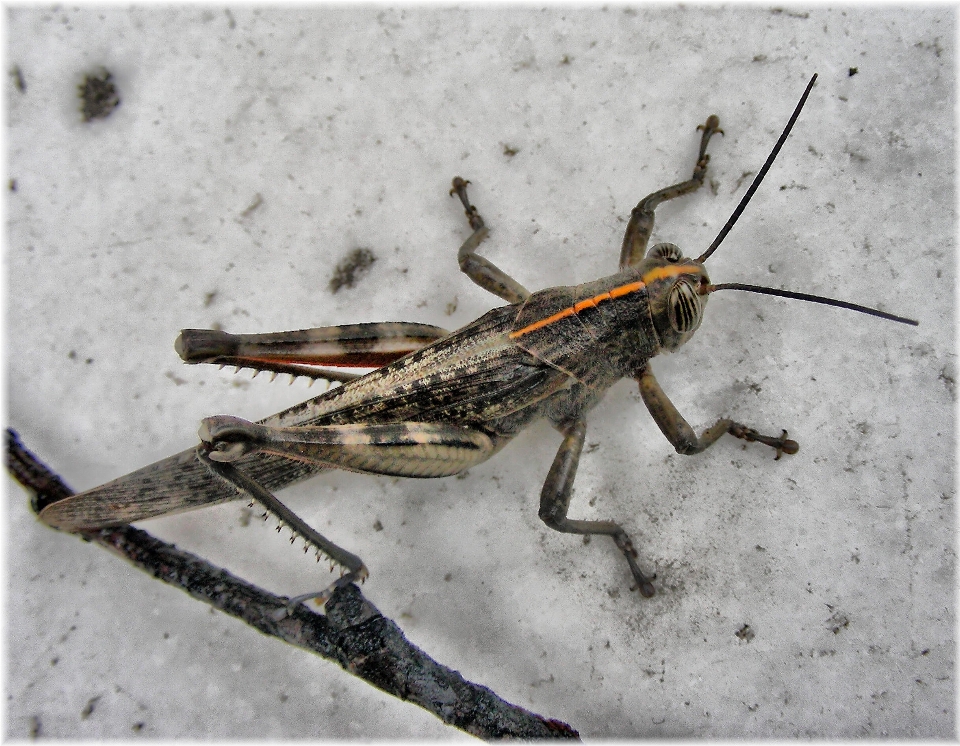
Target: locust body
<point>442,403</point>
<point>433,413</point>
<point>476,379</point>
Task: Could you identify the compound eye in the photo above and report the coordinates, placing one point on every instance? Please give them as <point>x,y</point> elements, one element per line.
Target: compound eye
<point>684,307</point>
<point>669,251</point>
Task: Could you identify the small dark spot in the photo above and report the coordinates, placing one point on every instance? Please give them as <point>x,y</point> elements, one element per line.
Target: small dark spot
<point>527,64</point>
<point>759,57</point>
<point>88,709</point>
<point>855,156</point>
<point>925,651</point>
<point>837,622</point>
<point>12,185</point>
<point>566,59</point>
<point>257,201</point>
<point>17,74</point>
<point>451,307</point>
<point>36,727</point>
<point>54,661</point>
<point>88,361</point>
<point>510,151</point>
<point>356,264</point>
<point>448,577</point>
<point>72,354</point>
<point>852,71</point>
<point>284,696</point>
<point>789,13</point>
<point>208,298</point>
<point>137,727</point>
<point>175,378</point>
<point>743,177</point>
<point>586,539</point>
<point>745,633</point>
<point>377,526</point>
<point>99,96</point>
<point>935,46</point>
<point>231,21</point>
<point>949,381</point>
<point>541,681</point>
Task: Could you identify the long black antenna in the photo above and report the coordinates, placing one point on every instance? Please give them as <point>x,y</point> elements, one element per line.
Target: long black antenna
<point>811,298</point>
<point>763,172</point>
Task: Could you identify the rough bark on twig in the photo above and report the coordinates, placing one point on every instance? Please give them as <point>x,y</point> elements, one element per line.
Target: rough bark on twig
<point>352,633</point>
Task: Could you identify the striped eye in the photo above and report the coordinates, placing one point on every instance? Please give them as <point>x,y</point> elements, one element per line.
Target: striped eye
<point>669,251</point>
<point>684,307</point>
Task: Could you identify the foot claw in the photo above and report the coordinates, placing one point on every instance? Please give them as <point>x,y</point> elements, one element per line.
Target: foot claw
<point>644,583</point>
<point>646,589</point>
<point>323,596</point>
<point>781,444</point>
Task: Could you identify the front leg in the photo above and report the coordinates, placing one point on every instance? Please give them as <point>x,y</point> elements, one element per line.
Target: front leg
<point>683,437</point>
<point>555,502</point>
<point>640,227</point>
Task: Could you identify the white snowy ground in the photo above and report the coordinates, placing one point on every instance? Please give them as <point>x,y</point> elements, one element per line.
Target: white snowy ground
<point>346,126</point>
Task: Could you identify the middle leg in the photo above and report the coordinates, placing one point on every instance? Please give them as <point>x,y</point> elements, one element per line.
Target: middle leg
<point>555,502</point>
<point>482,271</point>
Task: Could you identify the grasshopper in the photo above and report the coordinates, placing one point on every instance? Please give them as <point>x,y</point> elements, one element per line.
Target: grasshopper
<point>439,403</point>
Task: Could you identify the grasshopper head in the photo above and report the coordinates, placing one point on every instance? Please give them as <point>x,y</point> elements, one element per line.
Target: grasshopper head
<point>676,290</point>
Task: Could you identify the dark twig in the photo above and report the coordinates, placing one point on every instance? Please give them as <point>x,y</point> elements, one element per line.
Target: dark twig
<point>352,633</point>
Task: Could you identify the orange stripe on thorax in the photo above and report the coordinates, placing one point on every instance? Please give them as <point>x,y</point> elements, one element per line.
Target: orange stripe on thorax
<point>658,273</point>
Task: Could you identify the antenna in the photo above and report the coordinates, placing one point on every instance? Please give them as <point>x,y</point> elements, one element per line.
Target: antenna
<point>743,204</point>
<point>810,298</point>
<point>759,177</point>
